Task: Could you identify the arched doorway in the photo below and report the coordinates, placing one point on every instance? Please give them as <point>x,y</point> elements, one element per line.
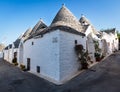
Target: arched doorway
<point>21,53</point>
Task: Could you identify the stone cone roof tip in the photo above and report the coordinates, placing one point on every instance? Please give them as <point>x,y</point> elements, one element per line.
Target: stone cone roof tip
<point>65,18</point>
<point>84,19</point>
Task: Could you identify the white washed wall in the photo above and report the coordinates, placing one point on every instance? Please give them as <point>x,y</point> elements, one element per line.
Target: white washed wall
<point>20,53</point>
<point>44,53</point>
<point>88,31</point>
<point>54,53</point>
<point>109,40</point>
<point>116,41</point>
<point>5,54</point>
<point>116,44</point>
<point>1,54</point>
<point>10,53</point>
<point>90,45</point>
<point>68,59</point>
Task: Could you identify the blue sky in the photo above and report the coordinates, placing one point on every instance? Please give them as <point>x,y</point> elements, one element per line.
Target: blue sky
<point>16,16</point>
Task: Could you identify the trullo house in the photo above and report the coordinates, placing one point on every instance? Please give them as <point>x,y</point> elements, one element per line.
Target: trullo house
<point>92,36</point>
<point>49,52</point>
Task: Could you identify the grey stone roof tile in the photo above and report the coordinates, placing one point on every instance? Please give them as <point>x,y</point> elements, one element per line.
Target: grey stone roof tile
<point>16,43</point>
<point>40,25</point>
<point>64,21</point>
<point>62,28</point>
<point>65,18</point>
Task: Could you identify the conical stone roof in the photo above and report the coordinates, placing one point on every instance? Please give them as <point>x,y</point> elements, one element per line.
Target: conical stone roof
<point>65,18</point>
<point>39,25</point>
<point>22,37</point>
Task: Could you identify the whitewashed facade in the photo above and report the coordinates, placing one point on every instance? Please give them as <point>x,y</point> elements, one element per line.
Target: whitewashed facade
<point>1,54</point>
<point>5,52</point>
<point>8,53</point>
<point>54,53</point>
<point>109,41</point>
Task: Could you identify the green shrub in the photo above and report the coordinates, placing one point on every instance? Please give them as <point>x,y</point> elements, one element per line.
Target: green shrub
<point>15,63</point>
<point>22,67</point>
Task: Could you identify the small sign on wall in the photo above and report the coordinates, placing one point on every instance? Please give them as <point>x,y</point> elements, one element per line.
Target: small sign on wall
<point>55,40</point>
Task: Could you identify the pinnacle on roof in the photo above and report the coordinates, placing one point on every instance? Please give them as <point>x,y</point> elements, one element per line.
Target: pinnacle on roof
<point>85,22</point>
<point>38,26</point>
<point>65,18</point>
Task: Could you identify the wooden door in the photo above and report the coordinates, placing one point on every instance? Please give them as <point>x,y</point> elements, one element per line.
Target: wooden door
<point>28,64</point>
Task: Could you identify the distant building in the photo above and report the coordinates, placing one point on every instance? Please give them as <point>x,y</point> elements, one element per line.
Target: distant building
<point>110,41</point>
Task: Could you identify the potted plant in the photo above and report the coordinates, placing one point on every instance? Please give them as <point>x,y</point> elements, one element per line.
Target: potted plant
<point>14,61</point>
<point>97,56</point>
<point>22,67</point>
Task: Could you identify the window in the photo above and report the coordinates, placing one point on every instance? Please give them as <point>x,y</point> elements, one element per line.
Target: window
<point>75,41</point>
<point>32,43</point>
<point>42,27</point>
<point>38,69</point>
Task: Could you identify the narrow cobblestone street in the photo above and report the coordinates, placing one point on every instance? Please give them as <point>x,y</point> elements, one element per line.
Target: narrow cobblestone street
<point>103,77</point>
